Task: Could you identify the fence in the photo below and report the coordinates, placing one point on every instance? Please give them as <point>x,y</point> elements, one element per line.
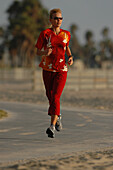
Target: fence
<point>16,79</point>
<point>90,79</point>
<point>30,79</point>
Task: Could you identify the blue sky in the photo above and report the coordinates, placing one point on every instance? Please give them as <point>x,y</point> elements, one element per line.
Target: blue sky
<point>87,14</point>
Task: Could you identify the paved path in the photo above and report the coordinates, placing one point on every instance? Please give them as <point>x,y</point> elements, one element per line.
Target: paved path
<point>22,134</point>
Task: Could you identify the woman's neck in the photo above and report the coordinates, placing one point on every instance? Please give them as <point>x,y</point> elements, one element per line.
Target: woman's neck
<point>56,30</point>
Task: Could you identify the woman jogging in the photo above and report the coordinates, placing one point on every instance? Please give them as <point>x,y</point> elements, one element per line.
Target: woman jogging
<point>52,45</point>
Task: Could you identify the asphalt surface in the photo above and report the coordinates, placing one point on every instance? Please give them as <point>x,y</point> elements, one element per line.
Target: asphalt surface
<point>22,134</point>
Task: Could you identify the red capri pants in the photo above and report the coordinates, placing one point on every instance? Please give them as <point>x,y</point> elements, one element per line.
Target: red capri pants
<point>54,84</point>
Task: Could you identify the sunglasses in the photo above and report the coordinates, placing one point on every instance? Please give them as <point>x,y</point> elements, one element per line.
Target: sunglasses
<point>58,18</point>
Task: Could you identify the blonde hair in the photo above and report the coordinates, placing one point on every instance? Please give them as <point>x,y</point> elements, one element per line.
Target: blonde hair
<point>53,11</point>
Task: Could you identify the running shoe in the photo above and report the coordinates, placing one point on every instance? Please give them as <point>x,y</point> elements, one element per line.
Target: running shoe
<point>58,125</point>
<point>50,132</point>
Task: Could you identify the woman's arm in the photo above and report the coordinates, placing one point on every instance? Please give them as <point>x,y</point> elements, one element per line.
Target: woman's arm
<point>70,59</point>
<point>46,52</point>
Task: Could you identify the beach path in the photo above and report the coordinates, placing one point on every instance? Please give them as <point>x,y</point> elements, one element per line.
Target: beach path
<point>22,134</point>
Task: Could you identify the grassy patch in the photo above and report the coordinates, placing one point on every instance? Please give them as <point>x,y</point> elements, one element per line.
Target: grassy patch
<point>3,114</point>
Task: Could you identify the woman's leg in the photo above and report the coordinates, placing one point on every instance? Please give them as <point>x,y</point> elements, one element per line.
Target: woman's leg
<point>58,86</point>
<point>54,84</point>
<point>48,83</point>
<point>54,119</point>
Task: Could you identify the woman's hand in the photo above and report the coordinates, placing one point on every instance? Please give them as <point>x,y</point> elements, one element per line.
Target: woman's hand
<point>48,51</point>
<point>70,61</point>
<point>68,52</point>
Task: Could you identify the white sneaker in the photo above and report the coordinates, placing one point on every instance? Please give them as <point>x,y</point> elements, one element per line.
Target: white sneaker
<point>50,132</point>
<point>58,125</point>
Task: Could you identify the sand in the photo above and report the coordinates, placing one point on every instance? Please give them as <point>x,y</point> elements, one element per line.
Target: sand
<point>90,160</point>
<point>98,160</point>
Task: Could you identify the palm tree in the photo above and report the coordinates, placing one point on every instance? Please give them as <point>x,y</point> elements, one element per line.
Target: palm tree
<point>89,49</point>
<point>75,45</point>
<point>1,42</point>
<point>105,32</point>
<point>89,37</point>
<point>108,44</point>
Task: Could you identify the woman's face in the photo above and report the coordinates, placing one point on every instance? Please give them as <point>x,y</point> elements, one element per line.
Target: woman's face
<point>56,20</point>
